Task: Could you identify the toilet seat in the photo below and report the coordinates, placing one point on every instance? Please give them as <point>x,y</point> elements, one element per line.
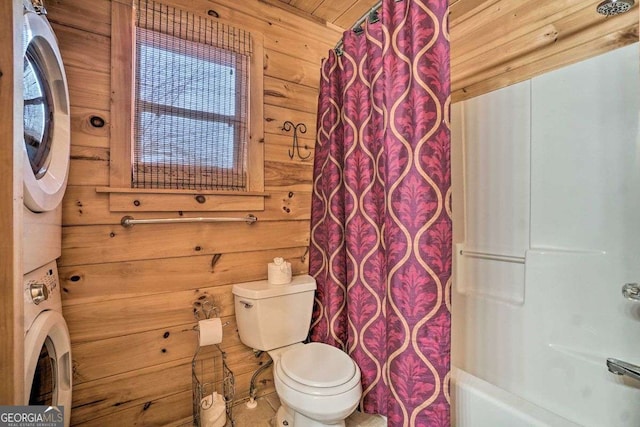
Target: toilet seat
<point>318,369</point>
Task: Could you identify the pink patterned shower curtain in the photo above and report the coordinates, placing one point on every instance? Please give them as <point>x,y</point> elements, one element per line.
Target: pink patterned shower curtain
<point>381,221</point>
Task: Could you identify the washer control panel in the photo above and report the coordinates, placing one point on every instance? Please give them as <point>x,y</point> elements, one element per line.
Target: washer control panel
<point>39,288</point>
<point>41,291</point>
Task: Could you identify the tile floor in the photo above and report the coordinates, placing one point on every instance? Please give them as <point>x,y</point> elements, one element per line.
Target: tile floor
<point>264,415</point>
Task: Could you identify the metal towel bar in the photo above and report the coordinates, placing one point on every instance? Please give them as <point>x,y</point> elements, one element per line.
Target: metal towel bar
<point>129,221</point>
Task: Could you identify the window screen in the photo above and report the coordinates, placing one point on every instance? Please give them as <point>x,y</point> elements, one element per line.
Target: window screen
<point>191,101</point>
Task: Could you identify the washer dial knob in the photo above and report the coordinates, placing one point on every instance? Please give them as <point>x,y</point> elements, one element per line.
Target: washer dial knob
<point>39,292</point>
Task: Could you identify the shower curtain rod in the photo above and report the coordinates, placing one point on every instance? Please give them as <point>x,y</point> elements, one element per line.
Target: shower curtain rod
<point>372,12</point>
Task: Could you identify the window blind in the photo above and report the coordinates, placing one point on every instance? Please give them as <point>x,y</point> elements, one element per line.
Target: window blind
<point>191,101</point>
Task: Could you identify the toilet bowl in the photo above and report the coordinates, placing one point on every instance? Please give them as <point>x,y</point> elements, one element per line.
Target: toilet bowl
<point>318,385</point>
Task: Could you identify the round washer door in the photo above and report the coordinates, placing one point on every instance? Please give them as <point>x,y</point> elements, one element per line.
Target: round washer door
<point>48,365</point>
<point>46,122</point>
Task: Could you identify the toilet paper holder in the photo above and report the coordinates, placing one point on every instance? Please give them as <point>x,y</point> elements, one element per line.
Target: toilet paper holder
<point>209,370</point>
<point>204,308</point>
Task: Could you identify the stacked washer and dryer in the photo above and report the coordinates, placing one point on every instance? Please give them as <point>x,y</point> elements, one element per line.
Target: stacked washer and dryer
<point>46,124</point>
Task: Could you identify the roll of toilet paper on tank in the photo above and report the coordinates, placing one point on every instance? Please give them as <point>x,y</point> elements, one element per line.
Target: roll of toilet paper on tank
<point>213,411</point>
<point>279,272</point>
<point>210,331</point>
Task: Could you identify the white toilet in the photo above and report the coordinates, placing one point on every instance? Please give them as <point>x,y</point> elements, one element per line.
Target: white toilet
<point>318,385</point>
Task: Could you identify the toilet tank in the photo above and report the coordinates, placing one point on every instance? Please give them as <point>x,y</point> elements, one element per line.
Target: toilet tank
<point>273,316</point>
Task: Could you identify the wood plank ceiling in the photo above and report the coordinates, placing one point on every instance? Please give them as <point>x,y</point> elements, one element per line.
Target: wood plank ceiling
<point>342,13</point>
<point>495,43</point>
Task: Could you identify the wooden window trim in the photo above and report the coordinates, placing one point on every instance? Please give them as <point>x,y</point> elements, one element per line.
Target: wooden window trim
<point>122,116</point>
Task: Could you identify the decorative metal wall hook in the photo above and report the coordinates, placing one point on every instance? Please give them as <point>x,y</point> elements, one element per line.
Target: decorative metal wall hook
<point>295,149</point>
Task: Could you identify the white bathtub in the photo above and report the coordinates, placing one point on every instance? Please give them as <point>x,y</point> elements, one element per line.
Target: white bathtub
<point>477,403</point>
<point>545,235</point>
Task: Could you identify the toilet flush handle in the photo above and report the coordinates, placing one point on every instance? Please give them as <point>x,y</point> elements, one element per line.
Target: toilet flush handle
<point>246,304</point>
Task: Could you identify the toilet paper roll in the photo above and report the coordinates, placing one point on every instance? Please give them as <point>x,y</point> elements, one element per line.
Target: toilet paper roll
<point>210,331</point>
<point>279,272</point>
<point>213,411</point>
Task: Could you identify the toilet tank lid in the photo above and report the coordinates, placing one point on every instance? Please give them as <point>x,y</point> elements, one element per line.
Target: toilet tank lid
<point>262,289</point>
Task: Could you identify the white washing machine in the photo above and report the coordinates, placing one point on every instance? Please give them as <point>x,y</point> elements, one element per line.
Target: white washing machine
<point>47,348</point>
<point>46,124</point>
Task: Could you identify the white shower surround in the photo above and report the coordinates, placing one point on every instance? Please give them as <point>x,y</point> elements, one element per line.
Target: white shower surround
<point>551,179</point>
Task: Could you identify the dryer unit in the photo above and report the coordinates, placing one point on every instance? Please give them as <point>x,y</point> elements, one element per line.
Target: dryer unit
<point>46,139</point>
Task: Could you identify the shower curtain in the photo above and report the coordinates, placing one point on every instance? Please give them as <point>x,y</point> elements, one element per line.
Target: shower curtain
<point>381,222</point>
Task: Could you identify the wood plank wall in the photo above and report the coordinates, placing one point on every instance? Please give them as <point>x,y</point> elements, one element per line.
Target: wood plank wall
<point>128,293</point>
<point>496,43</point>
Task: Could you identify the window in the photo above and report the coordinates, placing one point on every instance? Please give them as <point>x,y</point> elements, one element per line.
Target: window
<point>187,106</point>
<point>191,110</point>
